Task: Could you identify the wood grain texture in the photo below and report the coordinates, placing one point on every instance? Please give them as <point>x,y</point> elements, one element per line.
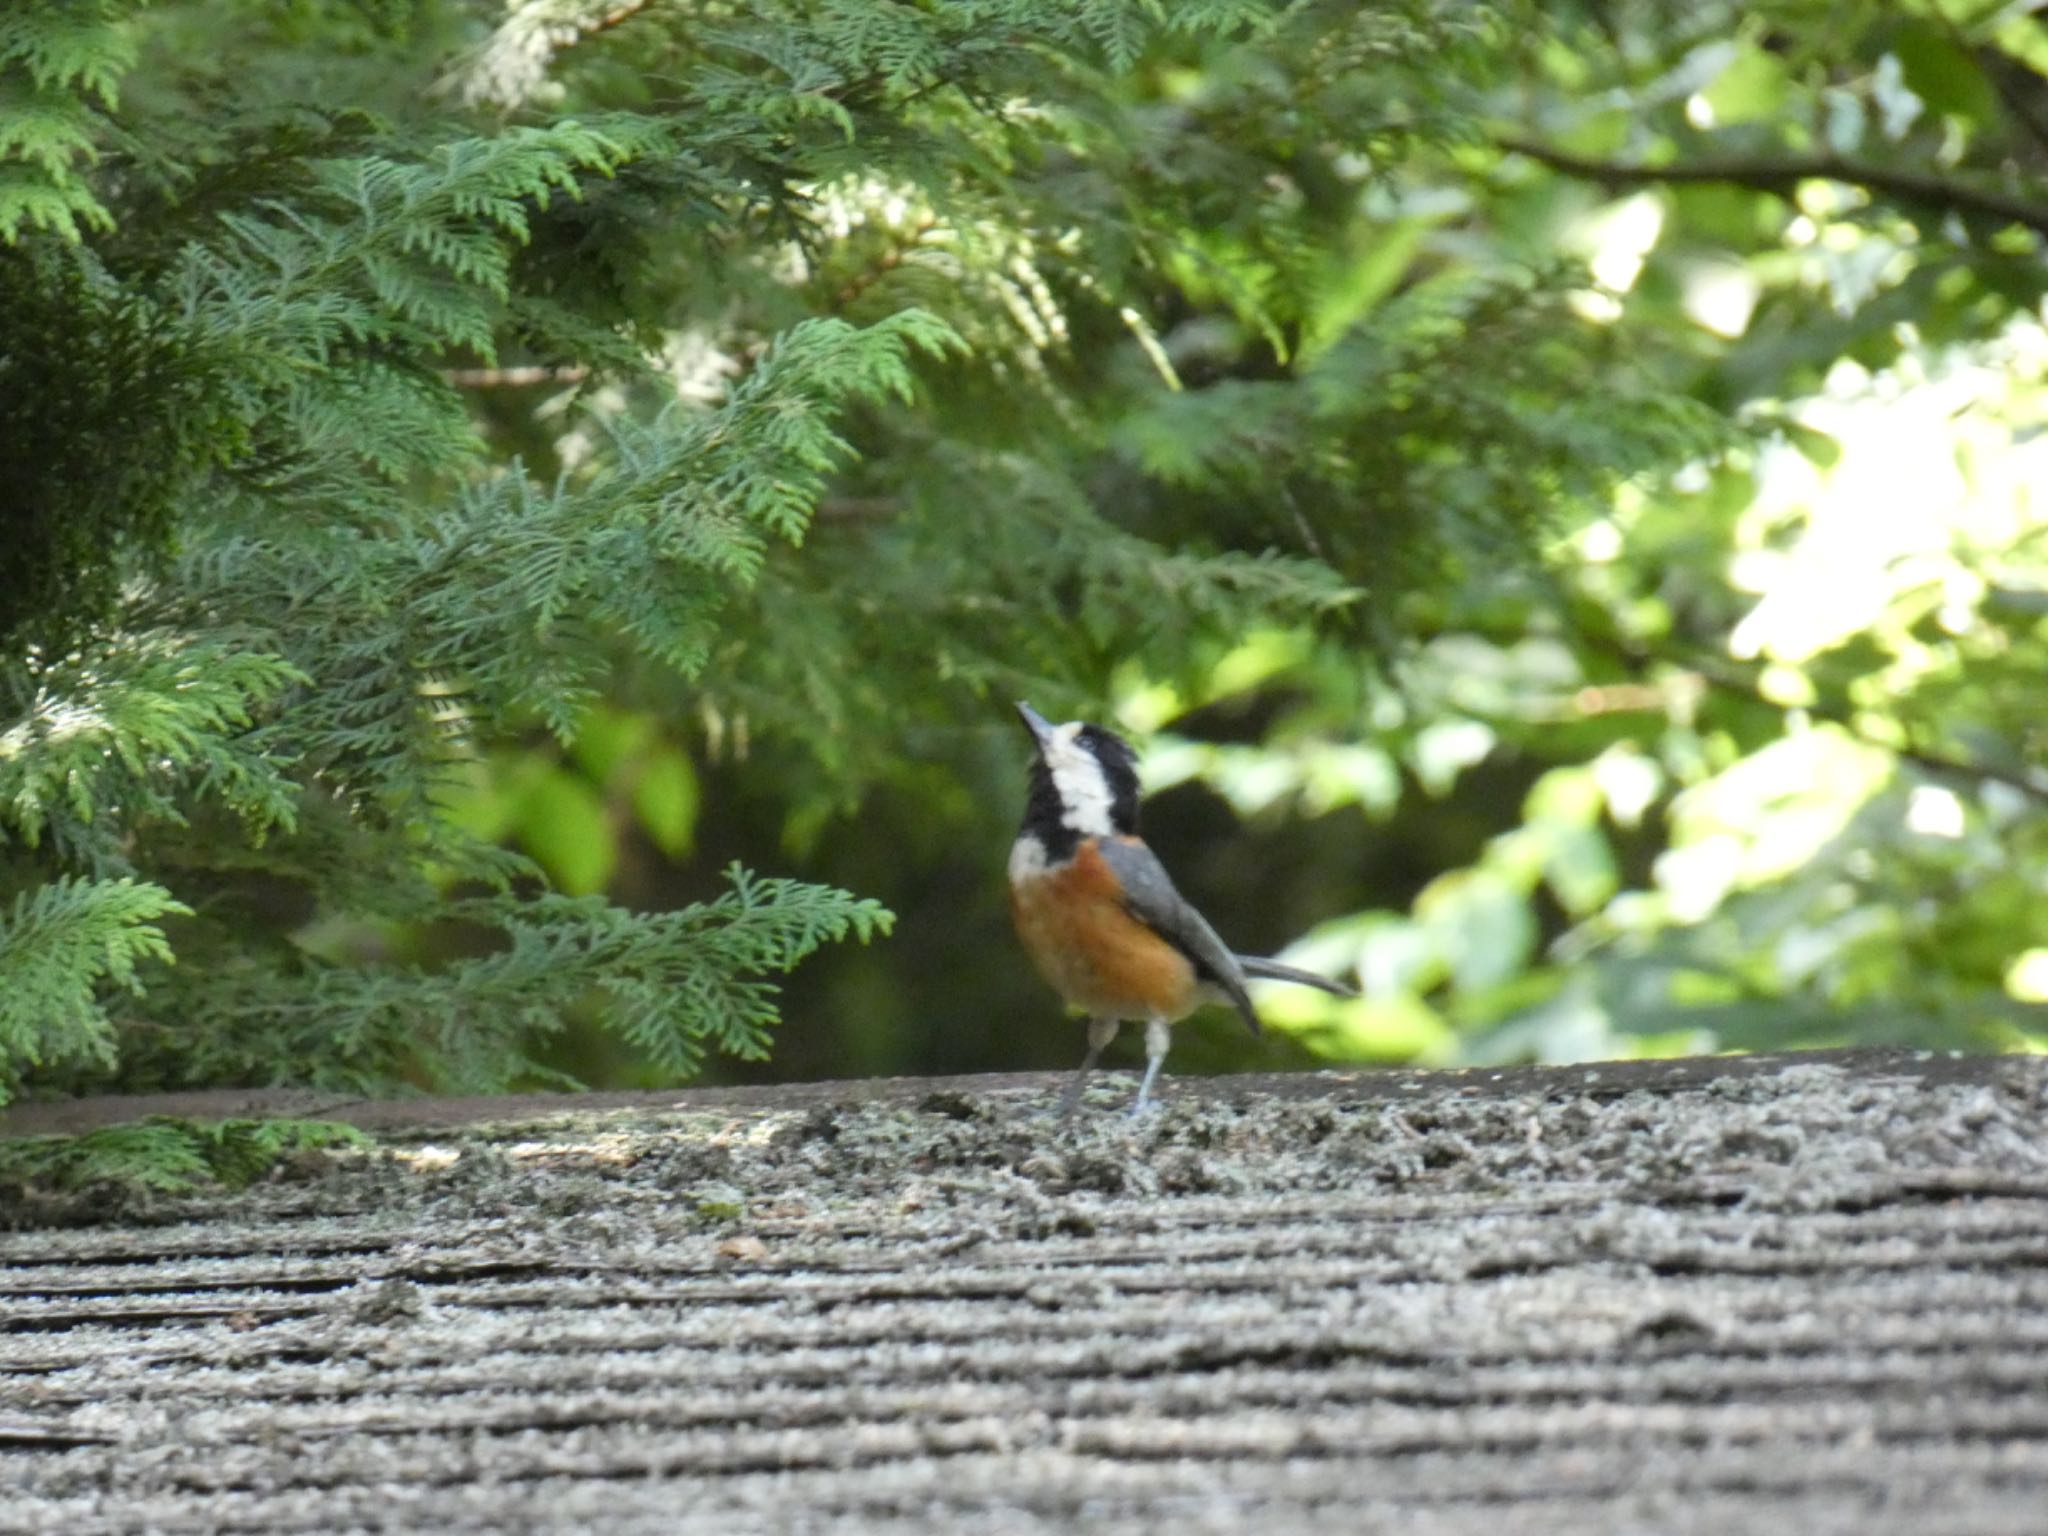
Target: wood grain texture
<point>1692,1297</point>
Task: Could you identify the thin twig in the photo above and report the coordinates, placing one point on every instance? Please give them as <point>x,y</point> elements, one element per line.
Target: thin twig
<point>1783,173</point>
<point>2003,74</point>
<point>887,262</point>
<point>1707,672</point>
<point>515,378</point>
<point>613,17</point>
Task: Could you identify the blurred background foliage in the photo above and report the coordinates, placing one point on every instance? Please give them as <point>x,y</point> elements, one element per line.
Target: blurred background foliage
<point>1744,760</point>
<point>1555,491</point>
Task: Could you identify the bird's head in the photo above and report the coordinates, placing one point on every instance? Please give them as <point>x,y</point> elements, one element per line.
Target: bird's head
<point>1084,781</point>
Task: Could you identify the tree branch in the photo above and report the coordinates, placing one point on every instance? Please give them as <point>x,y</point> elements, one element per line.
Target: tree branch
<point>2005,75</point>
<point>616,16</point>
<point>520,377</point>
<point>1783,173</point>
<point>1703,671</point>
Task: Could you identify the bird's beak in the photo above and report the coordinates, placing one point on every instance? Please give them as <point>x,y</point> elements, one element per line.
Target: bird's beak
<point>1040,727</point>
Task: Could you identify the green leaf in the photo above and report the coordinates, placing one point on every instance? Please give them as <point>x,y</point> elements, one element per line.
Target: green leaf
<point>1482,925</point>
<point>1579,866</point>
<point>165,1154</point>
<point>562,821</point>
<point>1753,88</point>
<point>1365,279</point>
<point>62,947</point>
<point>1815,446</point>
<point>609,740</point>
<point>1942,74</point>
<point>666,797</point>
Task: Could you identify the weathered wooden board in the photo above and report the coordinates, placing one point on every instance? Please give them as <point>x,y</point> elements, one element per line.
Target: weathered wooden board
<point>1807,1296</point>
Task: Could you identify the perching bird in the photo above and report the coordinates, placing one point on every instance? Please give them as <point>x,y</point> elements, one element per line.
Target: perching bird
<point>1099,914</point>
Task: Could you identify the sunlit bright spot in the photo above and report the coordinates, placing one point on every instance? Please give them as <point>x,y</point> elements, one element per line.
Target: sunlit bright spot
<point>1927,471</point>
<point>1618,238</point>
<point>1822,200</point>
<point>1697,877</point>
<point>1765,817</point>
<point>1933,811</point>
<point>1593,305</point>
<point>1600,542</point>
<point>1052,320</point>
<point>1145,705</point>
<point>576,446</point>
<point>1721,297</point>
<point>52,720</point>
<point>511,69</point>
<point>2027,977</point>
<point>1854,267</point>
<point>701,370</point>
<point>1629,781</point>
<point>1148,342</point>
<point>1446,748</point>
<point>427,1158</point>
<point>1787,686</point>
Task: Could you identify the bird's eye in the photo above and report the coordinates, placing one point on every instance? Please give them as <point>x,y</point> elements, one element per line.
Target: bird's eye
<point>1104,746</point>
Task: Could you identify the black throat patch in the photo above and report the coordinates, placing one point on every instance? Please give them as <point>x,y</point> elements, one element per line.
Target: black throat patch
<point>1044,816</point>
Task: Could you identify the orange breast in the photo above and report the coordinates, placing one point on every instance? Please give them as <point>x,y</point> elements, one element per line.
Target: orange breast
<point>1096,955</point>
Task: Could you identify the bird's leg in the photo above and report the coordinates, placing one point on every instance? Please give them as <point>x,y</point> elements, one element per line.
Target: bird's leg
<point>1158,1038</point>
<point>1100,1033</point>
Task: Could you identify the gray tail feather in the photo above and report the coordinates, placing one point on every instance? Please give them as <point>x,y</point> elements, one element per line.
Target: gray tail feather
<point>1273,970</point>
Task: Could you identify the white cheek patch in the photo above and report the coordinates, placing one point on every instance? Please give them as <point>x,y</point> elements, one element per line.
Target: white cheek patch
<point>1027,860</point>
<point>1085,796</point>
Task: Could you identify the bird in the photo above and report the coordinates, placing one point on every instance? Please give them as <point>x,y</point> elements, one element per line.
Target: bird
<point>1099,915</point>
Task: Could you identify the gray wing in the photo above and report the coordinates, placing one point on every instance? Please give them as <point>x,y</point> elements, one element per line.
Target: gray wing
<point>1150,897</point>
